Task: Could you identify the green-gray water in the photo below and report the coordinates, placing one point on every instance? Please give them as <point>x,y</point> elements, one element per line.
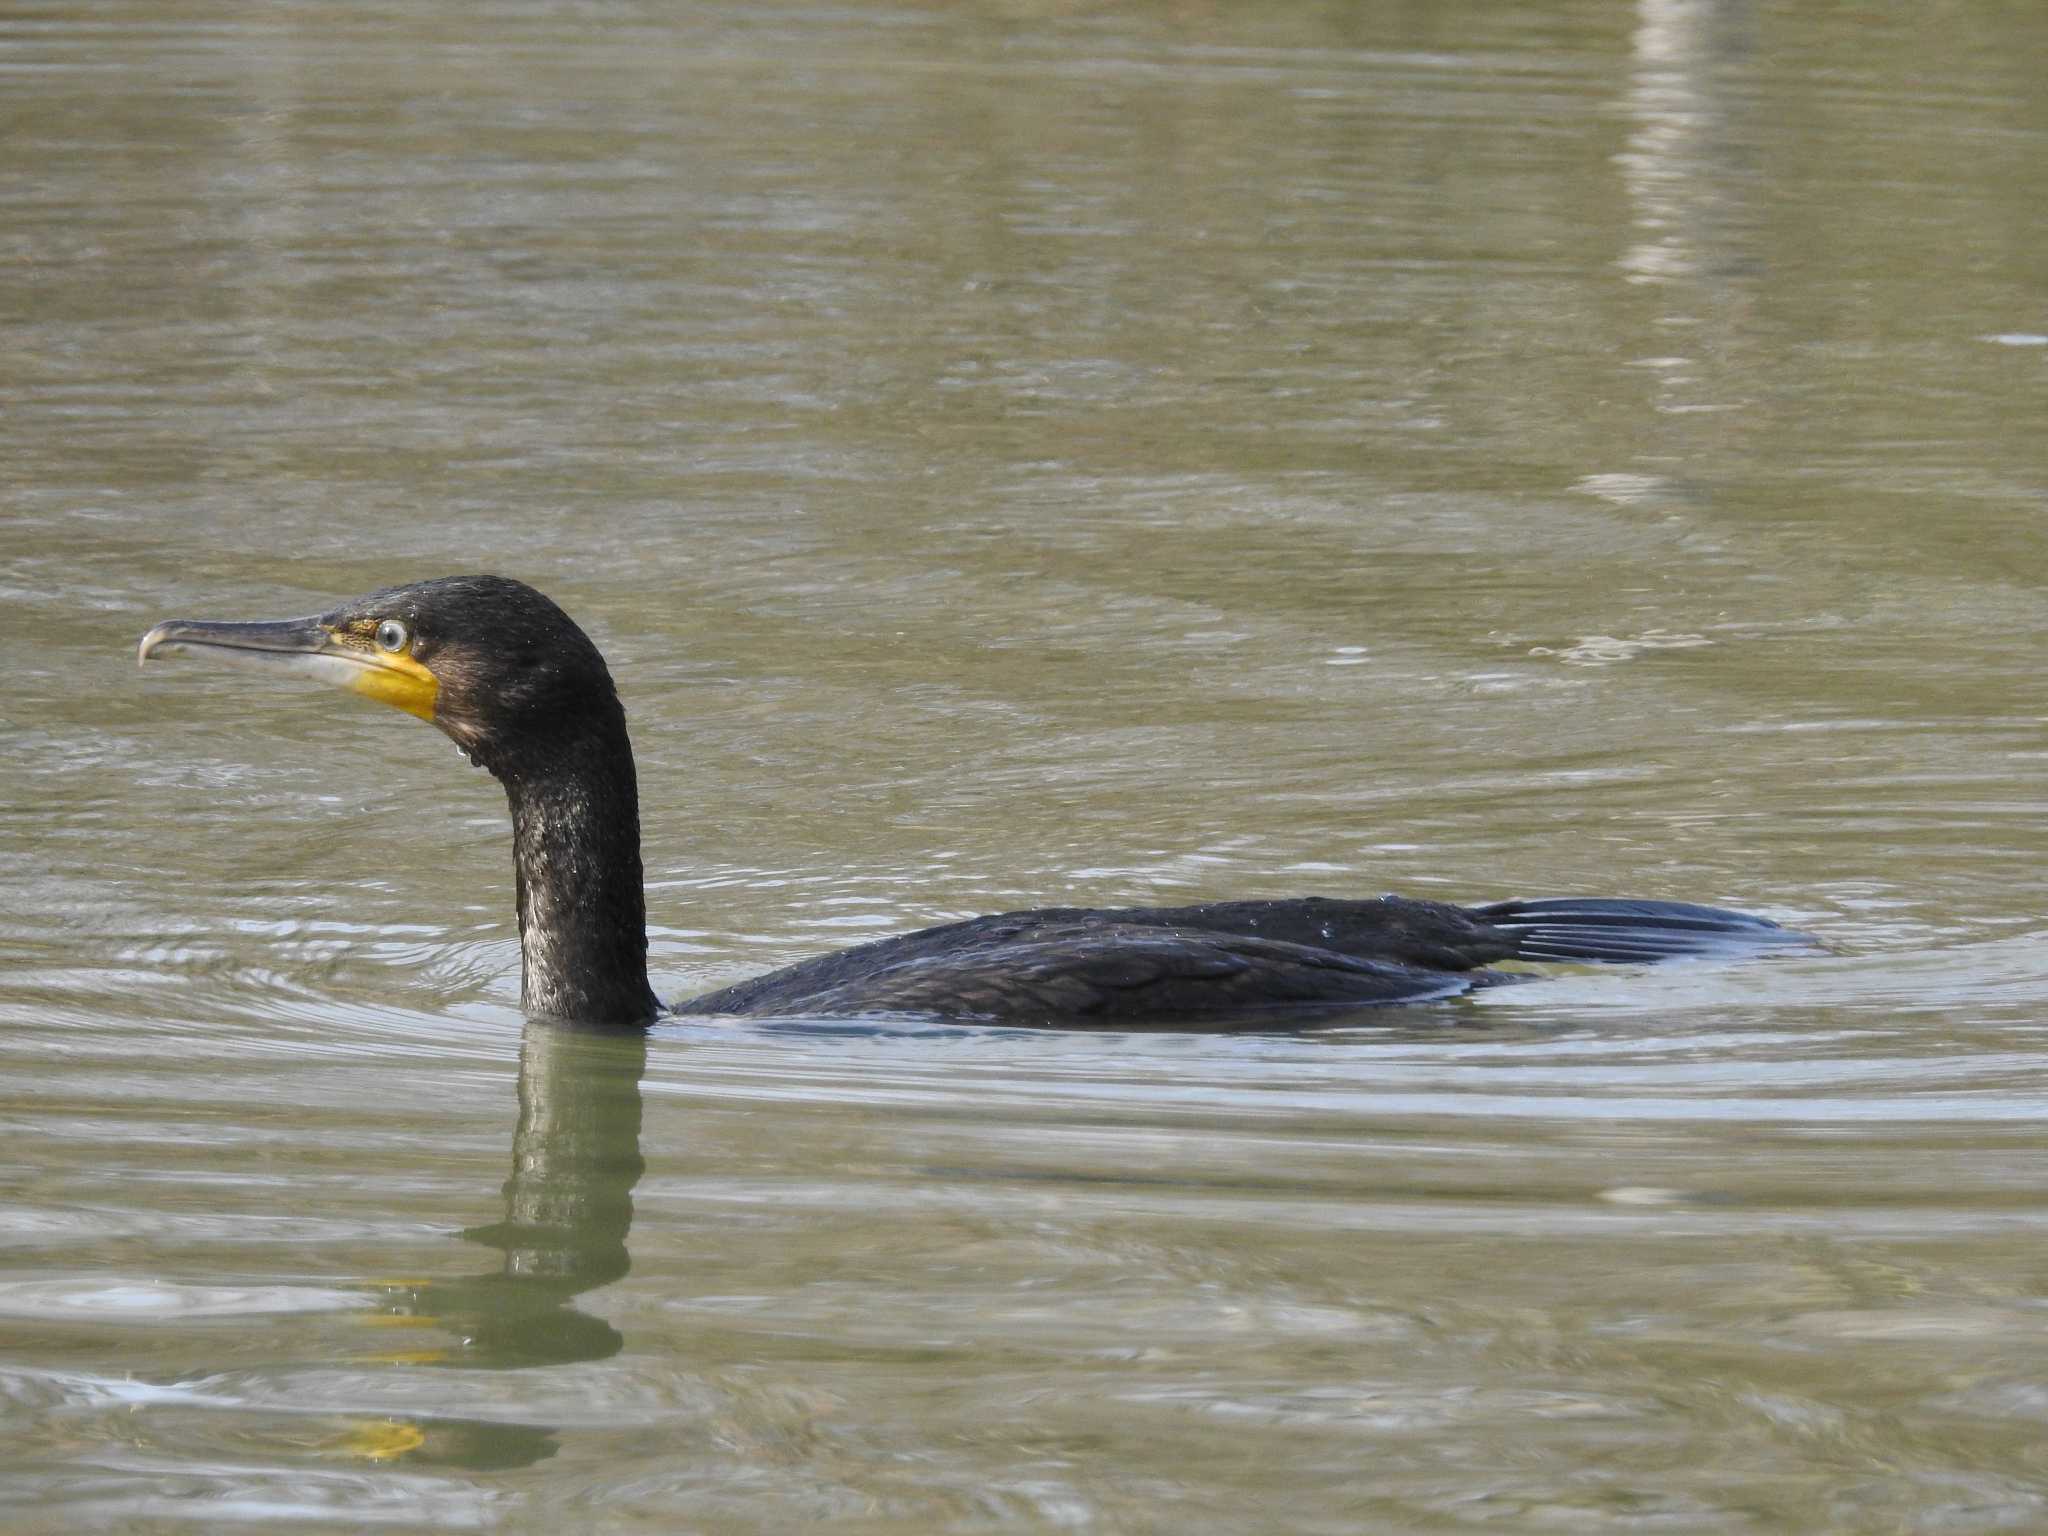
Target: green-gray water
<point>1019,453</point>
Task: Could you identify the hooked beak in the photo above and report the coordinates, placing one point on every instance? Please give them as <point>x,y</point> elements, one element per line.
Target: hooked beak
<point>306,647</point>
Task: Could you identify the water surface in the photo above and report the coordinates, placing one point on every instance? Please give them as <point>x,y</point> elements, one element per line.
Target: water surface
<point>1012,454</point>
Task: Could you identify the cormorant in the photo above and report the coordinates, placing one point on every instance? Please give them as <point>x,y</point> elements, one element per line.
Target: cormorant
<point>525,694</point>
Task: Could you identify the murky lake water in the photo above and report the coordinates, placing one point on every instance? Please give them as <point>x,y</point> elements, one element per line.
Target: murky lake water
<point>1025,453</point>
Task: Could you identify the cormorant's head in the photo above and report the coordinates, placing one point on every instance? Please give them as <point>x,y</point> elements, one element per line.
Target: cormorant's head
<point>490,661</point>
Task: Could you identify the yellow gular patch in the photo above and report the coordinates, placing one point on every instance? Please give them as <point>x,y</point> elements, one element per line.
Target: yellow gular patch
<point>389,677</point>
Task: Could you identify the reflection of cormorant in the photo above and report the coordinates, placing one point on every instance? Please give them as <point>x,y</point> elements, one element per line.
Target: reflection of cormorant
<point>568,1205</point>
<point>522,690</point>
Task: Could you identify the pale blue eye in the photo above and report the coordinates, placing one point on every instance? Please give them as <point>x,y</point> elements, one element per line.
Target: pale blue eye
<point>392,636</point>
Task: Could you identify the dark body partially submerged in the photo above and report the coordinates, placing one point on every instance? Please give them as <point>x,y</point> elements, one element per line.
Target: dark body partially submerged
<point>524,693</point>
<point>1255,960</point>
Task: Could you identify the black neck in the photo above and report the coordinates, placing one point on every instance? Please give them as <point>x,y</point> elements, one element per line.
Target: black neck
<point>576,852</point>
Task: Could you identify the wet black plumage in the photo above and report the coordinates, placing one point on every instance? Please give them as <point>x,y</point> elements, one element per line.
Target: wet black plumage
<point>523,691</point>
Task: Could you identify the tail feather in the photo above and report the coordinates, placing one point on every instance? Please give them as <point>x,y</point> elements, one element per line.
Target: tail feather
<point>1633,932</point>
